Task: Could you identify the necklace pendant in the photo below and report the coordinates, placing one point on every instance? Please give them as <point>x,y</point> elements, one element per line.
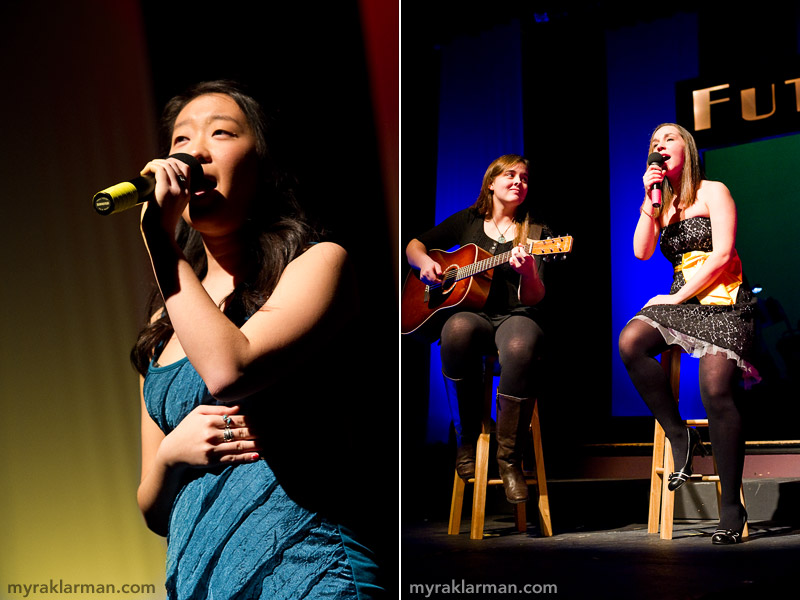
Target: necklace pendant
<point>501,239</point>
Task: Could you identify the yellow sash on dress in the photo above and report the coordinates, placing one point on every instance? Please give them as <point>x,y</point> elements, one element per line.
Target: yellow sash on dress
<point>725,288</point>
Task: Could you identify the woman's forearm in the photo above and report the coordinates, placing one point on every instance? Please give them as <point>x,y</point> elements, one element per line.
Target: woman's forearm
<point>704,276</point>
<point>531,290</point>
<point>156,495</point>
<point>416,253</point>
<point>645,236</point>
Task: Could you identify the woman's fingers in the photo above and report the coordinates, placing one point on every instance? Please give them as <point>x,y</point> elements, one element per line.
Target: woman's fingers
<point>238,443</point>
<point>231,434</point>
<point>234,427</point>
<point>237,451</point>
<point>228,437</point>
<point>171,175</point>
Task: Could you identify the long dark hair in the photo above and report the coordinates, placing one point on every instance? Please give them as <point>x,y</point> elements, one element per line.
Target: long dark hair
<point>276,231</point>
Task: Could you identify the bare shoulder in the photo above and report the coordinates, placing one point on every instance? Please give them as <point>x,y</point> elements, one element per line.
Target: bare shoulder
<point>712,188</point>
<point>325,265</point>
<point>320,279</point>
<point>327,255</point>
<point>714,193</point>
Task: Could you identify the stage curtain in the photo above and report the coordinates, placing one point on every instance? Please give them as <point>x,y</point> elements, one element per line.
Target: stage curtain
<point>78,117</point>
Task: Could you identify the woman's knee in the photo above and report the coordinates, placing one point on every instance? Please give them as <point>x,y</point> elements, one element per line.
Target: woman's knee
<point>628,344</point>
<point>518,356</point>
<point>640,340</point>
<point>520,351</point>
<point>717,396</point>
<point>463,327</point>
<point>717,379</point>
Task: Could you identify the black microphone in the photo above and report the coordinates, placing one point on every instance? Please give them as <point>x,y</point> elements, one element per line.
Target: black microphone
<point>137,191</point>
<point>655,193</point>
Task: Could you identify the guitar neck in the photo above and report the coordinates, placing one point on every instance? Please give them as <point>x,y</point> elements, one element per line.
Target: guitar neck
<point>484,265</point>
<point>548,247</point>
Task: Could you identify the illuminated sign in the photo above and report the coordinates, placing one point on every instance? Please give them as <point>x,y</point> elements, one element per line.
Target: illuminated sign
<point>726,111</point>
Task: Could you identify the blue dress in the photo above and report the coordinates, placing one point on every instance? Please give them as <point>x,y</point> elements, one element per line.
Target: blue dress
<point>235,532</point>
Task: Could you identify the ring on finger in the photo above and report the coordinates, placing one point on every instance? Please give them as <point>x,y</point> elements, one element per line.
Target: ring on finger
<point>182,180</point>
<point>227,435</point>
<point>227,420</point>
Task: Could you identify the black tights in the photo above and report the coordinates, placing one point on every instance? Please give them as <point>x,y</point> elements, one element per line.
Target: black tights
<point>468,337</point>
<point>639,344</point>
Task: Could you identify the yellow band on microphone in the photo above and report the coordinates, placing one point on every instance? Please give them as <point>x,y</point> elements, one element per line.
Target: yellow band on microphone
<point>117,198</point>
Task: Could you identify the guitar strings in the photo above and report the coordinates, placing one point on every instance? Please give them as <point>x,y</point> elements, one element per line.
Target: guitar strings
<point>479,266</point>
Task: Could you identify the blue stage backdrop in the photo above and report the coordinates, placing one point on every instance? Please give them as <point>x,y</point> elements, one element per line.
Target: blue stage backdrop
<point>638,101</point>
<point>480,119</point>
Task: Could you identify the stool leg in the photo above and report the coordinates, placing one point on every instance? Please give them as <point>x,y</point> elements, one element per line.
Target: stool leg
<point>662,460</point>
<point>541,479</point>
<point>479,488</point>
<point>521,517</point>
<point>482,455</point>
<point>456,504</point>
<point>667,497</point>
<point>656,476</point>
<point>745,531</point>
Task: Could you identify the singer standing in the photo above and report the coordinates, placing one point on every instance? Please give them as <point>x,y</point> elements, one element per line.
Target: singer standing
<point>240,417</point>
<point>708,312</point>
<point>509,324</point>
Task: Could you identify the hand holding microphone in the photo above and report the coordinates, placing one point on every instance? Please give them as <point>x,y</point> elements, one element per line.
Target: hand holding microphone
<point>138,190</point>
<point>658,159</point>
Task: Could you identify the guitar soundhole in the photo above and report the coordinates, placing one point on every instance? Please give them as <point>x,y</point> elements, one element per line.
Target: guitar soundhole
<point>449,280</point>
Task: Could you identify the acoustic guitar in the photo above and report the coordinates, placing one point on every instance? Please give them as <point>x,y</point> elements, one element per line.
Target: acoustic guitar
<point>466,279</point>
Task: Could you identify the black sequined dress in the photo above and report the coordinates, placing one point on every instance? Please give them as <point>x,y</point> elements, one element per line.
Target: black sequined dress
<point>703,328</point>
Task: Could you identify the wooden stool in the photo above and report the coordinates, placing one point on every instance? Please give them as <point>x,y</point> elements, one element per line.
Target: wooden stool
<point>662,500</point>
<point>481,479</point>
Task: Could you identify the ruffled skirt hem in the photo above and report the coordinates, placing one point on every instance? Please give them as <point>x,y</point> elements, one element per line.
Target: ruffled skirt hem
<point>697,348</point>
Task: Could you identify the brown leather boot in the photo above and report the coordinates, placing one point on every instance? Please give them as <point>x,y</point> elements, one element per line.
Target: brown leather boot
<point>465,409</point>
<point>513,423</point>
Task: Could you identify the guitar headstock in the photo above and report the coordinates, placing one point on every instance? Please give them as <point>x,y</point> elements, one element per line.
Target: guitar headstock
<point>551,247</point>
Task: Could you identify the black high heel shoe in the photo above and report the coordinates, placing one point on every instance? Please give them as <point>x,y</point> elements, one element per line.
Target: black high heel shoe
<point>725,537</point>
<point>680,477</point>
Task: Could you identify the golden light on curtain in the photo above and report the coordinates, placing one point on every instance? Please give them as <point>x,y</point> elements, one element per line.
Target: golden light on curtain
<point>77,116</point>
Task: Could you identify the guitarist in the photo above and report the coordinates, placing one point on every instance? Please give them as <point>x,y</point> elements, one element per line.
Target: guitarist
<point>508,324</point>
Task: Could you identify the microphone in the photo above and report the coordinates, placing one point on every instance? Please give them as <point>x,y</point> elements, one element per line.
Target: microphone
<point>655,193</point>
<point>137,191</point>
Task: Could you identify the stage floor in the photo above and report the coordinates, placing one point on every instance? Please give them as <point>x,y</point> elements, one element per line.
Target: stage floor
<point>624,562</point>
